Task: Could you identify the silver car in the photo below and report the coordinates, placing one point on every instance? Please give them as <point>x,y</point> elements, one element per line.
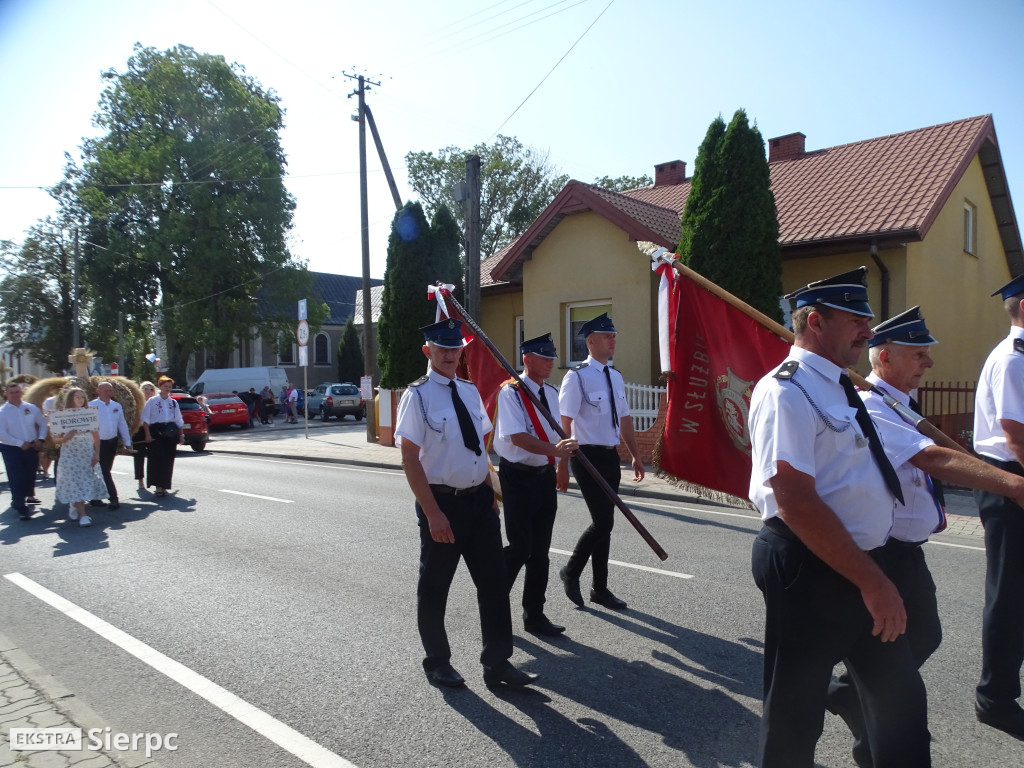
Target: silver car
<point>336,400</point>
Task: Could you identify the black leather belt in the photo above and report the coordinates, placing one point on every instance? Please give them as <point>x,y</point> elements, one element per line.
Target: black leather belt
<point>530,468</point>
<point>777,525</point>
<point>447,489</point>
<point>903,545</point>
<point>592,446</point>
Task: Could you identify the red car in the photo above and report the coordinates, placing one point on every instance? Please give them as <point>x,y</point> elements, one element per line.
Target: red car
<point>196,432</point>
<point>227,409</point>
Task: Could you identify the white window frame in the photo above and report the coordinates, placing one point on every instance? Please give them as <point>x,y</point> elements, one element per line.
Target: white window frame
<point>327,336</point>
<point>570,336</point>
<point>520,329</point>
<point>970,228</point>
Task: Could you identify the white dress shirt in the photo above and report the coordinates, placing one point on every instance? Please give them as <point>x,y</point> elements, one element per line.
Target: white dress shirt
<point>1000,395</point>
<point>159,409</point>
<point>918,516</point>
<point>426,416</point>
<point>584,397</point>
<point>513,419</point>
<point>21,424</point>
<point>112,421</point>
<point>786,426</point>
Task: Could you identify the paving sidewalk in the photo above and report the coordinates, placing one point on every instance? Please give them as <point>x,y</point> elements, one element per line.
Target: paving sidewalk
<point>32,698</point>
<point>346,443</point>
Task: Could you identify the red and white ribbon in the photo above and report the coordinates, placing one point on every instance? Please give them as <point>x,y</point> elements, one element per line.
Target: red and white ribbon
<point>661,262</point>
<point>439,292</point>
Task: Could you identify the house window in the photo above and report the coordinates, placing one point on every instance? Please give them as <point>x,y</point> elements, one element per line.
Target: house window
<point>322,349</point>
<point>285,350</point>
<point>520,338</point>
<point>575,316</point>
<point>970,228</point>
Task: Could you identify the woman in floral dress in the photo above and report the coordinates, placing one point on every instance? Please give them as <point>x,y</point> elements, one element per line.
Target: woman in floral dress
<point>79,479</point>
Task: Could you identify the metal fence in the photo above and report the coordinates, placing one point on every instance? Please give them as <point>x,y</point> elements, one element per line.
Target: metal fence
<point>950,406</point>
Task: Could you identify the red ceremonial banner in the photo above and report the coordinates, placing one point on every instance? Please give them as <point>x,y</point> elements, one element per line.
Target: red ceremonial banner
<point>718,354</point>
<point>479,366</point>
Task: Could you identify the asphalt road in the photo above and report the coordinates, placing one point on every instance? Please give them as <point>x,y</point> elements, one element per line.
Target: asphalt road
<point>298,599</point>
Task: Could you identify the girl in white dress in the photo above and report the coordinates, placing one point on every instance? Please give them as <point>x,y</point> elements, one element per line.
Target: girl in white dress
<point>79,479</point>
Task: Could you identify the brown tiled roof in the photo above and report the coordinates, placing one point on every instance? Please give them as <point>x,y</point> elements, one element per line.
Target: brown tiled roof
<point>891,186</point>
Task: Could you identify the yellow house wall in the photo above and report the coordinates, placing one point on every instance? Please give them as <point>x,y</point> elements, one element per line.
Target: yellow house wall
<point>585,258</point>
<point>953,286</point>
<point>498,315</point>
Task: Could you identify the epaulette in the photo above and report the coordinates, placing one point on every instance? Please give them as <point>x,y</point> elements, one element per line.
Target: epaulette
<point>464,381</point>
<point>584,364</point>
<point>1018,345</point>
<point>787,369</point>
<point>420,380</point>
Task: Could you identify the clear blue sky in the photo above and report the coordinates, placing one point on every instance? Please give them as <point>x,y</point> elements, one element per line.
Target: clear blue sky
<point>639,88</point>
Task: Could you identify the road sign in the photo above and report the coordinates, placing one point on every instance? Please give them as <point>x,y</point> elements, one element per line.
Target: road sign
<point>302,333</point>
<point>302,309</point>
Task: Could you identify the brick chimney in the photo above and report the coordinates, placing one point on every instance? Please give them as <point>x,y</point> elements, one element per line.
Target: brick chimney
<point>670,173</point>
<point>788,147</point>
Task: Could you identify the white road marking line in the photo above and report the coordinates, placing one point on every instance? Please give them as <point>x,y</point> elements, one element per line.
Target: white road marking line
<point>635,567</point>
<point>257,496</point>
<point>270,727</point>
<point>958,546</point>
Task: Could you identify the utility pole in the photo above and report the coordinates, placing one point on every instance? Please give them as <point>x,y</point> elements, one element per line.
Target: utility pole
<point>472,203</point>
<point>76,333</point>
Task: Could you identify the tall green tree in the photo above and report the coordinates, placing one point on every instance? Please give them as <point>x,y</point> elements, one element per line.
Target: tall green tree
<point>445,263</point>
<point>516,182</point>
<point>350,354</point>
<point>622,183</point>
<point>37,290</point>
<point>187,209</point>
<point>404,308</point>
<point>730,227</point>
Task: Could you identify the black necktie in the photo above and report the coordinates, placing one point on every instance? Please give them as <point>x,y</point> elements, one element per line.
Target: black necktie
<point>611,396</point>
<point>936,485</point>
<point>469,436</point>
<point>544,399</point>
<point>873,441</point>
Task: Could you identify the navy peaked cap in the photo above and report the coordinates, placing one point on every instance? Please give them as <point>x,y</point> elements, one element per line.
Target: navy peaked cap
<point>543,346</point>
<point>446,333</point>
<point>1013,288</point>
<point>600,324</point>
<point>906,328</point>
<point>847,292</point>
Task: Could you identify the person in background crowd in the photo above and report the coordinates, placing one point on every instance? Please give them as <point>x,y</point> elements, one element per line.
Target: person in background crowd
<point>267,406</point>
<point>139,439</point>
<point>22,432</point>
<point>112,427</point>
<point>48,456</point>
<point>162,423</point>
<point>293,405</point>
<point>80,478</point>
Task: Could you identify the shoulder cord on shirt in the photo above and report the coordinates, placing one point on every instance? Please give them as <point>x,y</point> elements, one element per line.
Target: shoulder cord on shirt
<point>817,410</point>
<point>583,391</point>
<point>423,410</point>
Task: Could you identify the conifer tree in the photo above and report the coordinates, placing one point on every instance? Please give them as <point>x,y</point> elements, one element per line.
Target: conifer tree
<point>730,228</point>
<point>350,354</point>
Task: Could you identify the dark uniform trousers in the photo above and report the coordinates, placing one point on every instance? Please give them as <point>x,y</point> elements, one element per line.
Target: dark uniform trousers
<point>21,469</point>
<point>530,500</point>
<point>477,533</point>
<point>814,619</point>
<point>595,543</point>
<point>108,451</point>
<point>1002,629</point>
<point>905,565</point>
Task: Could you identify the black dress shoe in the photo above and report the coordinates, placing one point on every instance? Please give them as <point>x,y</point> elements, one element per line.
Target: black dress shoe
<point>572,586</point>
<point>607,599</point>
<point>445,675</point>
<point>506,674</point>
<point>97,503</point>
<point>23,512</point>
<point>114,505</point>
<point>32,500</point>
<point>542,625</point>
<point>1009,721</point>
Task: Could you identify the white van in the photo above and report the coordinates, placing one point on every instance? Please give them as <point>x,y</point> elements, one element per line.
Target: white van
<point>240,380</point>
